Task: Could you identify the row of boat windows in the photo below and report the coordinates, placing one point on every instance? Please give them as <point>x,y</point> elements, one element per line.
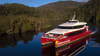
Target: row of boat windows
<point>75,33</point>
<point>50,35</point>
<point>74,27</point>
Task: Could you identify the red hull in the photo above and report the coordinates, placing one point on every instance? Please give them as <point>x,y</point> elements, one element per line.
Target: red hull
<point>68,50</point>
<point>65,41</point>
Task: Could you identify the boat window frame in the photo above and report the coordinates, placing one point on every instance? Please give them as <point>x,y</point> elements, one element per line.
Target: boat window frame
<point>77,32</point>
<point>79,26</point>
<point>73,33</point>
<point>47,35</point>
<point>70,27</point>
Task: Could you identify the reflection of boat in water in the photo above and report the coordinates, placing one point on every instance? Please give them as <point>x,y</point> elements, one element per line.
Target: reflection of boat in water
<point>68,50</point>
<point>66,33</point>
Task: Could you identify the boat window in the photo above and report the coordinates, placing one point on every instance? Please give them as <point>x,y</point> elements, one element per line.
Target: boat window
<point>75,33</point>
<point>51,35</point>
<point>80,26</point>
<point>73,27</point>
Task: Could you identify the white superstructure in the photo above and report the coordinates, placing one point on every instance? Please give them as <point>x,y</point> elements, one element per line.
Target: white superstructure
<point>73,23</point>
<point>70,26</point>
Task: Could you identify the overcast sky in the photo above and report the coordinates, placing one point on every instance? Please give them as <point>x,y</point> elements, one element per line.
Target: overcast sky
<point>33,3</point>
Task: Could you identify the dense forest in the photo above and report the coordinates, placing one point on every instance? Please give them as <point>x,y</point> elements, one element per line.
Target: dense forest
<point>18,18</point>
<point>90,12</point>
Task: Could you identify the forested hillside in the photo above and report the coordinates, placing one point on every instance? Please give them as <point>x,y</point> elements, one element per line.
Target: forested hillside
<point>18,18</point>
<point>90,12</point>
<point>62,8</point>
<point>15,18</point>
<point>15,9</point>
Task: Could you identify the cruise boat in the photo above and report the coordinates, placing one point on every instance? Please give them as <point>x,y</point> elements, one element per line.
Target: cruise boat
<point>66,33</point>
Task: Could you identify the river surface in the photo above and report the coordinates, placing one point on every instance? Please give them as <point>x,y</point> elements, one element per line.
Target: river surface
<point>29,44</point>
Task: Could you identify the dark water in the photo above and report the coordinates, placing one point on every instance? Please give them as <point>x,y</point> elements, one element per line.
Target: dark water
<point>93,47</point>
<point>29,44</point>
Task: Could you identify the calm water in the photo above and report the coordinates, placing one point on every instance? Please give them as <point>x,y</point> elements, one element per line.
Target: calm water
<point>30,45</point>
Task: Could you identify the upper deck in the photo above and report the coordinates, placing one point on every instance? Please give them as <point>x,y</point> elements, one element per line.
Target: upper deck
<point>72,23</point>
<point>70,26</point>
<point>62,31</point>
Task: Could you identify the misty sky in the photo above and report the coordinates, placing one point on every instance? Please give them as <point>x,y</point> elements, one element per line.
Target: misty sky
<point>33,3</point>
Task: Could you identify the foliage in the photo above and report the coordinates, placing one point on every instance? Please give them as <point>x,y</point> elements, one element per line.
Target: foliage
<point>18,18</point>
<point>90,12</point>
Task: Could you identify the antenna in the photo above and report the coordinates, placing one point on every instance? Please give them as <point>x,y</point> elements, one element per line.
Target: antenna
<point>74,16</point>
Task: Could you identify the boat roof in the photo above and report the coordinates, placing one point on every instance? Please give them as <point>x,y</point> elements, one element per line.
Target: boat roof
<point>73,23</point>
<point>62,31</point>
